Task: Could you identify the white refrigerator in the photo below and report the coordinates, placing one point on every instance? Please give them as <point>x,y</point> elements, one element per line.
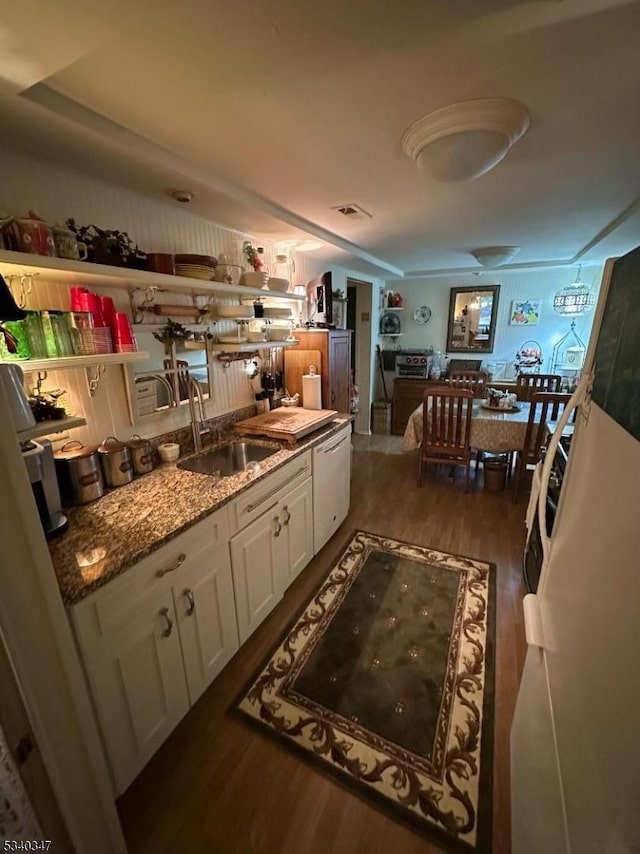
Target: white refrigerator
<point>575,738</point>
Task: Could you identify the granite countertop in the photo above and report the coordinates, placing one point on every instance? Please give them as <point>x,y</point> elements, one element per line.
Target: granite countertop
<point>130,522</point>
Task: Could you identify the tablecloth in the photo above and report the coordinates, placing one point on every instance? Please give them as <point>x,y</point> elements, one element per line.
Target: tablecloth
<point>492,431</point>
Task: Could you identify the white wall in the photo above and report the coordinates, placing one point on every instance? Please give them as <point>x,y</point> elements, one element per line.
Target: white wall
<point>514,285</point>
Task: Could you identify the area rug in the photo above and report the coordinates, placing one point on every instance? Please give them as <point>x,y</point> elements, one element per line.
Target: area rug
<point>385,680</point>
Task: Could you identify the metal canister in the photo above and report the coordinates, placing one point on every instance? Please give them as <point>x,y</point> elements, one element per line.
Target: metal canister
<point>141,454</point>
<point>78,472</point>
<point>115,458</point>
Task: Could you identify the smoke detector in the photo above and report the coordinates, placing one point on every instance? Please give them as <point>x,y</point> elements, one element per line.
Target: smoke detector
<point>352,211</point>
<point>182,196</point>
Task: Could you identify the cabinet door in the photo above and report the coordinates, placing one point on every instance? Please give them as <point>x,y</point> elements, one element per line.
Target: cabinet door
<point>340,371</point>
<point>407,397</point>
<point>138,684</point>
<point>205,609</point>
<point>257,561</point>
<point>296,513</point>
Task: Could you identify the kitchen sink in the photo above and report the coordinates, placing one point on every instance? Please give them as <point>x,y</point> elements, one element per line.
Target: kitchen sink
<point>228,460</point>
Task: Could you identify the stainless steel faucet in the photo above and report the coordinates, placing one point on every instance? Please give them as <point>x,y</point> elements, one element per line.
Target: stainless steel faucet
<point>198,419</point>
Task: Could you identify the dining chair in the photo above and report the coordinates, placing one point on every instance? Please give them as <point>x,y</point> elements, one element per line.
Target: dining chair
<point>475,381</point>
<point>446,429</point>
<point>545,406</point>
<point>528,384</point>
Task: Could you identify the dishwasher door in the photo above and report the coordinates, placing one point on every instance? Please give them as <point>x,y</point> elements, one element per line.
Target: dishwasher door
<point>331,486</point>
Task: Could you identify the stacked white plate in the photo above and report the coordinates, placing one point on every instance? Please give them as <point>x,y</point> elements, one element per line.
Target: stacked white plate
<point>234,311</point>
<point>232,339</point>
<point>196,271</point>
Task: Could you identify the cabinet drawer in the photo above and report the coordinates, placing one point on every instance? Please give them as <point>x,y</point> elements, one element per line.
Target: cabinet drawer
<point>106,611</point>
<point>253,503</point>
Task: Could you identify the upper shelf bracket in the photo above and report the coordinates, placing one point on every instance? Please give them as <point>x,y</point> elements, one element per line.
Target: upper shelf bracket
<point>94,375</point>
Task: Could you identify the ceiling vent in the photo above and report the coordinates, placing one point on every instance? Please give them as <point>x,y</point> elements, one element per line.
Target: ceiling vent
<point>352,211</point>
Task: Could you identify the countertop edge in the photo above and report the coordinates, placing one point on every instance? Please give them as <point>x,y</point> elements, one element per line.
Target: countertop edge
<point>71,597</point>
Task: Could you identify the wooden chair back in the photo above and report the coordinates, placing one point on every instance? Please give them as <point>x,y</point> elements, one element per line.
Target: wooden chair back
<point>545,406</point>
<point>529,384</point>
<point>474,381</point>
<point>446,425</point>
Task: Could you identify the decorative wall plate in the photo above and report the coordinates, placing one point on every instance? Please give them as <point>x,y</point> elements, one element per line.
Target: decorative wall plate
<point>422,314</point>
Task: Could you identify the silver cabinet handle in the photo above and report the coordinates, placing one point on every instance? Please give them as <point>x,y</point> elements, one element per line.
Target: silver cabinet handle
<point>181,559</point>
<point>164,612</point>
<point>192,601</point>
<point>278,526</point>
<point>287,518</point>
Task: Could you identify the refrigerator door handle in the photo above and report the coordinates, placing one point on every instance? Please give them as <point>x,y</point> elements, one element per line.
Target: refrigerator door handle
<point>532,621</point>
<point>576,399</point>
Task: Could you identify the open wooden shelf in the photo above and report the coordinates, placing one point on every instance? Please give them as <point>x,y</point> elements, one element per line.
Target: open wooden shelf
<point>96,275</point>
<point>46,428</point>
<point>64,363</point>
<point>251,347</point>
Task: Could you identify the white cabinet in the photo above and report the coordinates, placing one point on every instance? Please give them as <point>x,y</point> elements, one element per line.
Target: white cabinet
<point>258,559</point>
<point>154,638</point>
<point>269,553</point>
<point>331,486</point>
<point>138,685</point>
<point>297,528</point>
<point>205,611</point>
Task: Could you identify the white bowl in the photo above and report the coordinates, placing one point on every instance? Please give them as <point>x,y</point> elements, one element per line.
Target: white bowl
<point>281,285</point>
<point>169,452</point>
<point>256,337</point>
<point>254,280</point>
<point>279,334</point>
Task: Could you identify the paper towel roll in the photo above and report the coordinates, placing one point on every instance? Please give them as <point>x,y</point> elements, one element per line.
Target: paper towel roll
<point>311,391</point>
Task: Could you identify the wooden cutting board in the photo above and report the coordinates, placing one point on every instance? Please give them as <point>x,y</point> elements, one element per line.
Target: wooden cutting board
<point>296,363</point>
<point>287,422</point>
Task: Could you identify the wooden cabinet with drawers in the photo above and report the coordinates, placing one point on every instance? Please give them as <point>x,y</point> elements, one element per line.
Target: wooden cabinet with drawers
<point>334,346</point>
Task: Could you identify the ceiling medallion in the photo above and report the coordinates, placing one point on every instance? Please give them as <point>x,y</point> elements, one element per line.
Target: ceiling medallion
<point>465,140</point>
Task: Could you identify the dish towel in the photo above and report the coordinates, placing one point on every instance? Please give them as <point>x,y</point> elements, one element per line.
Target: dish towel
<point>536,486</point>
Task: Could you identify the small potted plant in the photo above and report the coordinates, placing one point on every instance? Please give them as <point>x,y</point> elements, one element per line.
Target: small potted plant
<point>254,256</point>
<point>105,246</point>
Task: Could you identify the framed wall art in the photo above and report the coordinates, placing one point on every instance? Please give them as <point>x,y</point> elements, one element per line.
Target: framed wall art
<point>525,312</point>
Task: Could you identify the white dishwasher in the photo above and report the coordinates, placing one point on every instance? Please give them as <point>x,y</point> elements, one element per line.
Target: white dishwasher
<point>331,486</point>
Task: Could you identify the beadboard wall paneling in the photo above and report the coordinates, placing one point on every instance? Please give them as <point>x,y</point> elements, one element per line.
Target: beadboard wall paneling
<point>514,285</point>
<point>56,194</point>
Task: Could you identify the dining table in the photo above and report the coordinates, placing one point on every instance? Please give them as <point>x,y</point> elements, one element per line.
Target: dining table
<point>492,430</point>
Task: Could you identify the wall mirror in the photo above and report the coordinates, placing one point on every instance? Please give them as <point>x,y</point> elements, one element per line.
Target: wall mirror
<point>161,382</point>
<point>472,319</point>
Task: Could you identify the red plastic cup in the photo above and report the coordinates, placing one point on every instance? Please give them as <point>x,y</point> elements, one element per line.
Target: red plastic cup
<point>108,310</point>
<point>122,331</point>
<point>91,302</point>
<point>76,291</point>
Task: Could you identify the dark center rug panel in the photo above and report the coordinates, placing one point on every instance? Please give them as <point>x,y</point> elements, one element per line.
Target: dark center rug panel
<point>386,680</point>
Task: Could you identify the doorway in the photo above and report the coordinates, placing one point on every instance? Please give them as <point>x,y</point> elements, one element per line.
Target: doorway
<point>359,309</point>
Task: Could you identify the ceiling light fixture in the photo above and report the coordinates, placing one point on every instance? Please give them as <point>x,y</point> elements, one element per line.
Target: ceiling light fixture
<point>574,299</point>
<point>465,140</point>
<point>495,256</point>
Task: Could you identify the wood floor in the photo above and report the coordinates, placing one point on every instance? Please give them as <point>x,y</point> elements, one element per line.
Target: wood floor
<point>217,785</point>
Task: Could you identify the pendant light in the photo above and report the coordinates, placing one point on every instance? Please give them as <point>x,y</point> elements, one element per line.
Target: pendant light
<point>574,299</point>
